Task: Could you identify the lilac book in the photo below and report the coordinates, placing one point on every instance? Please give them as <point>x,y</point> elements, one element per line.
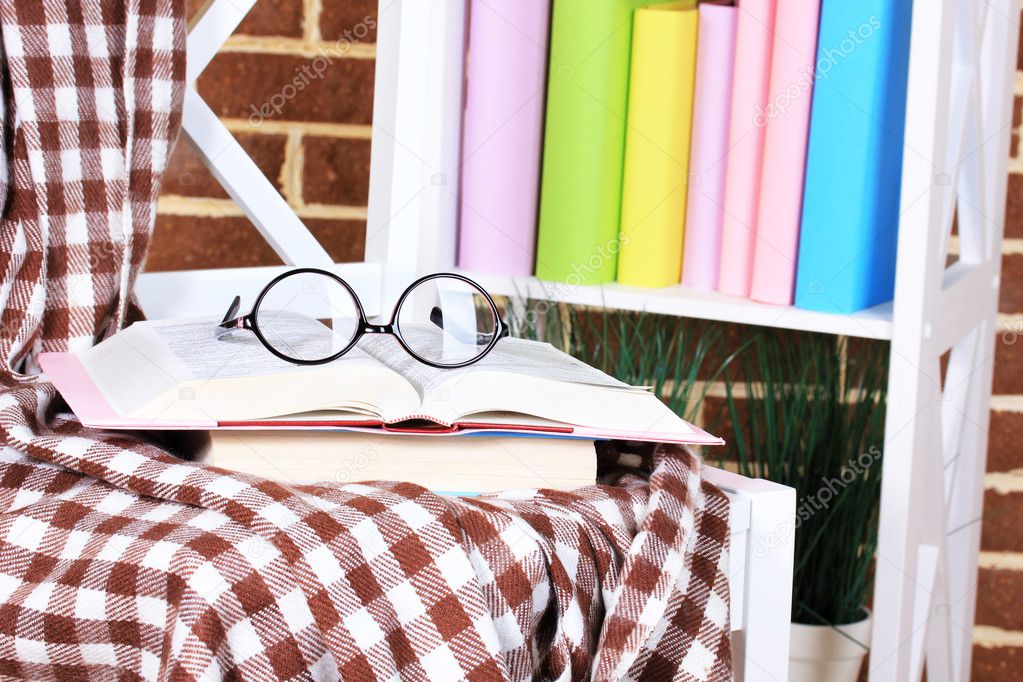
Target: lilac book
<point>504,118</point>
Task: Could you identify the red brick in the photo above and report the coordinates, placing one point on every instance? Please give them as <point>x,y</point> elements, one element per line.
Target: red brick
<point>999,595</point>
<point>1019,55</point>
<point>186,174</point>
<point>1002,521</point>
<point>1008,363</point>
<point>1014,207</point>
<point>351,20</point>
<point>194,242</point>
<point>1011,295</point>
<point>996,664</point>
<point>1017,119</point>
<point>266,18</point>
<point>344,240</point>
<point>1005,441</point>
<point>282,87</point>
<point>336,171</point>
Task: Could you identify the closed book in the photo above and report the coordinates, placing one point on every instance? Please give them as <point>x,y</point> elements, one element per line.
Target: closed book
<point>657,145</point>
<point>754,38</point>
<point>584,140</point>
<point>854,163</point>
<point>502,136</point>
<point>466,464</point>
<point>708,161</point>
<point>785,138</point>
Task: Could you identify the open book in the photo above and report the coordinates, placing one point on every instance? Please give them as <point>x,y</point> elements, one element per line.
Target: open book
<point>176,374</point>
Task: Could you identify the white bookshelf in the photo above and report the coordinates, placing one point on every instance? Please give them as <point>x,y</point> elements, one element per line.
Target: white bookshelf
<point>958,120</point>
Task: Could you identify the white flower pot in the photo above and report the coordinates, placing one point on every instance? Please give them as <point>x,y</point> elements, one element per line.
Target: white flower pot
<point>822,653</point>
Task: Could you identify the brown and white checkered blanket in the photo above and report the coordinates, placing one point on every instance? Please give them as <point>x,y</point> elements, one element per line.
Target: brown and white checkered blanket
<point>120,561</point>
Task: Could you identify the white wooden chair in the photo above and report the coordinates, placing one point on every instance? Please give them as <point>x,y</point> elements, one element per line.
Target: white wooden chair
<point>411,215</point>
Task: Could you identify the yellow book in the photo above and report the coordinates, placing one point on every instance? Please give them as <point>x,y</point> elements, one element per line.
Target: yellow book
<point>660,113</point>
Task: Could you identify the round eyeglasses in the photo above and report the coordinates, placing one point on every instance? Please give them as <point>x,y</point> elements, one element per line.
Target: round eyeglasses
<point>310,316</point>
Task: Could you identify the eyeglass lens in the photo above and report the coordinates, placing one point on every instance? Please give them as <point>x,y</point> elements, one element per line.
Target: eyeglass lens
<point>308,317</point>
<point>447,321</point>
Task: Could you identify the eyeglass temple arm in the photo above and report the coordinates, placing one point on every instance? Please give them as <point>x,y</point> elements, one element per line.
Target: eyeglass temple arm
<point>230,317</point>
<point>231,320</point>
<point>437,317</point>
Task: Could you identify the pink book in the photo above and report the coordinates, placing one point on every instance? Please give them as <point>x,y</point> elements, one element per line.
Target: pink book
<point>507,73</point>
<point>785,140</point>
<point>754,33</point>
<point>715,60</point>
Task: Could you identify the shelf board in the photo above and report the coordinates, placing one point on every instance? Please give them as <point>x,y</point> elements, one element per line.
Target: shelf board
<point>873,323</point>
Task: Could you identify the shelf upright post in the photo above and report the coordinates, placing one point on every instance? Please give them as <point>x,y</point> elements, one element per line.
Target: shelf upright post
<point>958,120</point>
<point>415,157</point>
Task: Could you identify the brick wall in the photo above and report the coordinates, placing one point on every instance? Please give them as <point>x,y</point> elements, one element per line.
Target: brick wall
<point>998,637</point>
<point>315,150</point>
<point>295,86</point>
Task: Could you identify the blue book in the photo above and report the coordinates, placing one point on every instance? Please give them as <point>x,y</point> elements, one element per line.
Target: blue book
<point>854,161</point>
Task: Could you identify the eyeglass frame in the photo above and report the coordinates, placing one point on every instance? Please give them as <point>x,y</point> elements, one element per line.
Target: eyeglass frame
<point>249,322</point>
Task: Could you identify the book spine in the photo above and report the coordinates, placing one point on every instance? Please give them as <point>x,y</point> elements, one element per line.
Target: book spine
<point>753,38</point>
<point>657,146</point>
<point>712,101</point>
<point>793,59</point>
<point>584,141</point>
<point>503,129</point>
<point>854,163</point>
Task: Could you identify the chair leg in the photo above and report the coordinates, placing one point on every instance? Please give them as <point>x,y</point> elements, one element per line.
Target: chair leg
<point>761,645</point>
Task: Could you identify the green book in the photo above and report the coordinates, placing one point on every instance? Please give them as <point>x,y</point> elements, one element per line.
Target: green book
<point>584,143</point>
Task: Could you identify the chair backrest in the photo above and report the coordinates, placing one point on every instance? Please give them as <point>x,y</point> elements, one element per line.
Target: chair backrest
<point>414,174</point>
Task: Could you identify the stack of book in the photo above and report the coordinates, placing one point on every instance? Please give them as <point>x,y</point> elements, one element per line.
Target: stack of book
<point>525,416</point>
<point>752,148</point>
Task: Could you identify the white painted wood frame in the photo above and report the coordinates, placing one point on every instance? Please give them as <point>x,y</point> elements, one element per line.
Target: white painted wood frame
<point>763,527</point>
<point>958,124</point>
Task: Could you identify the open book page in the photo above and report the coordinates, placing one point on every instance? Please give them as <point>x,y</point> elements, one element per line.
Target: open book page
<point>529,382</point>
<point>180,370</point>
<point>510,355</point>
<point>237,353</point>
<point>473,396</point>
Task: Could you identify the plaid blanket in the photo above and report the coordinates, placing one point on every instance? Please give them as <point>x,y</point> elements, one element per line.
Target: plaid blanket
<point>119,560</point>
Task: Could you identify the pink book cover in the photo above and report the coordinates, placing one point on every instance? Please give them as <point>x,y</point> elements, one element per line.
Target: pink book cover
<point>754,33</point>
<point>715,59</point>
<point>86,400</point>
<point>502,136</point>
<point>785,141</point>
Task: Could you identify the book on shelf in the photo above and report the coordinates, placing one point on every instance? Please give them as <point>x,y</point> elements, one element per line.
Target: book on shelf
<point>467,464</point>
<point>787,125</point>
<point>659,123</point>
<point>502,136</point>
<point>712,101</point>
<point>754,37</point>
<point>175,375</point>
<point>584,140</point>
<point>850,219</point>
